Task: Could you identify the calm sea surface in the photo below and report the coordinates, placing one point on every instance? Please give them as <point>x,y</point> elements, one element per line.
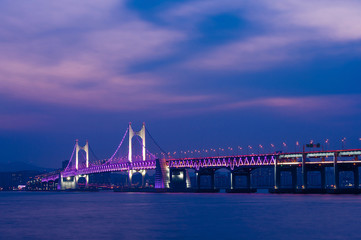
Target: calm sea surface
<point>109,215</point>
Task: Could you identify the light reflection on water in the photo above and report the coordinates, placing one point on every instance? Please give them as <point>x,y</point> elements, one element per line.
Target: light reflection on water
<point>108,215</point>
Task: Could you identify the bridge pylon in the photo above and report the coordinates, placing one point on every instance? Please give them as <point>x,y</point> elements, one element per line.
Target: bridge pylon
<point>86,150</point>
<point>71,182</point>
<point>141,134</point>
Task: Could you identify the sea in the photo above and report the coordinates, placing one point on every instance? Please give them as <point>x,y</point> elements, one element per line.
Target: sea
<point>116,215</point>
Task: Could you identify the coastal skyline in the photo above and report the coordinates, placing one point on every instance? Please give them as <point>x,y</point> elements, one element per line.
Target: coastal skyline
<point>199,74</point>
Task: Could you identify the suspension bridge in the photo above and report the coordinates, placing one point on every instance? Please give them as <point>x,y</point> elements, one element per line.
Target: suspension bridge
<point>173,173</point>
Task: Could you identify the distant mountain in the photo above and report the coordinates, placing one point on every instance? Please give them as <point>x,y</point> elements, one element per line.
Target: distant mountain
<point>21,166</point>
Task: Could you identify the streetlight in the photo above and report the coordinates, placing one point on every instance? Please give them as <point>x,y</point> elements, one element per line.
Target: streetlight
<point>343,142</point>
<point>250,147</point>
<point>285,146</point>
<point>230,150</point>
<point>326,143</point>
<point>273,147</point>
<point>240,149</point>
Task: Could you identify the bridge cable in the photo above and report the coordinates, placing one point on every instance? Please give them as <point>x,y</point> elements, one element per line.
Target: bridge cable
<point>156,142</point>
<point>91,150</point>
<point>146,148</point>
<point>70,159</point>
<point>111,158</point>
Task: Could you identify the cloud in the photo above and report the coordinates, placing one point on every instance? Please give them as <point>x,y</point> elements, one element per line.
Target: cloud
<point>67,84</point>
<point>281,32</point>
<point>336,20</point>
<point>319,106</point>
<point>247,55</point>
<point>300,107</point>
<point>41,16</point>
<point>80,56</point>
<point>83,54</point>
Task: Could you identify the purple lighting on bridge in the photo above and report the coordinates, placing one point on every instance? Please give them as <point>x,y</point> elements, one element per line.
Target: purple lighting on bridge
<point>225,162</point>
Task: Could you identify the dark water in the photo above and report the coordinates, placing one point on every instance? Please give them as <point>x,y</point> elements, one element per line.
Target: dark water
<point>108,215</point>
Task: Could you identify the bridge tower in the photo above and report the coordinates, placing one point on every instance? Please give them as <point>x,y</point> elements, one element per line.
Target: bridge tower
<point>141,134</point>
<point>86,150</point>
<point>72,182</point>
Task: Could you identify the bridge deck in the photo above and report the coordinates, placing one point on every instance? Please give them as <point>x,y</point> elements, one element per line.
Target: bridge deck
<point>252,160</point>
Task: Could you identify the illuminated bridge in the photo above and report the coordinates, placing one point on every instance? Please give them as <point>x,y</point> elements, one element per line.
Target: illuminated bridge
<point>171,173</point>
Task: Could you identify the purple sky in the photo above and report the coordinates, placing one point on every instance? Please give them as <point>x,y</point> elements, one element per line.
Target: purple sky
<point>201,74</point>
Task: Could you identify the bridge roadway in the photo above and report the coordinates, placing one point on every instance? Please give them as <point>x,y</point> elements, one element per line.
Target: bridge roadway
<point>177,169</point>
<point>115,167</point>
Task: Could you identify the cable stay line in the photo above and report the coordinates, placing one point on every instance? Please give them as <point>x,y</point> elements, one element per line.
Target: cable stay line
<point>70,160</point>
<point>111,158</point>
<point>146,129</point>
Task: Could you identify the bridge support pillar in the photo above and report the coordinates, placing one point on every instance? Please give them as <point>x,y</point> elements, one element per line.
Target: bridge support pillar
<point>304,172</point>
<point>65,183</point>
<point>212,180</point>
<point>277,175</point>
<point>210,173</point>
<point>336,172</point>
<point>76,181</point>
<point>178,178</point>
<point>161,174</point>
<point>143,172</point>
<point>323,178</point>
<point>294,178</point>
<point>131,173</point>
<point>60,182</point>
<point>248,176</point>
<point>198,177</point>
<point>356,178</point>
<point>236,174</point>
<point>130,177</point>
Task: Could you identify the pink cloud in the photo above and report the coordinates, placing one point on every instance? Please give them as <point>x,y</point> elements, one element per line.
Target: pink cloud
<point>318,105</point>
<point>291,25</point>
<point>247,55</point>
<point>297,107</point>
<point>87,67</point>
<point>336,20</point>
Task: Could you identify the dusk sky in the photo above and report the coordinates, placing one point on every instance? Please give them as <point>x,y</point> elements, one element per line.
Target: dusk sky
<point>200,74</point>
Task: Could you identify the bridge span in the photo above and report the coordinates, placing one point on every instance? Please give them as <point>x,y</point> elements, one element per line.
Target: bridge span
<point>173,173</point>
